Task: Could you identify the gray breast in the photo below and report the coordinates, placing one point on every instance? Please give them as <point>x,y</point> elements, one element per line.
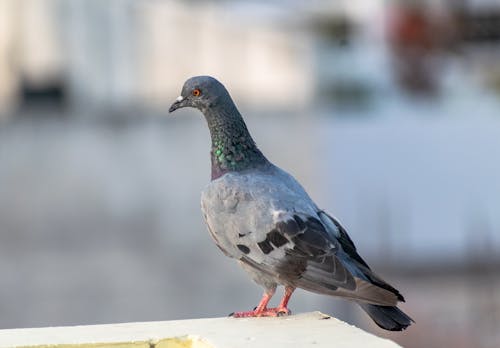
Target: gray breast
<point>240,209</point>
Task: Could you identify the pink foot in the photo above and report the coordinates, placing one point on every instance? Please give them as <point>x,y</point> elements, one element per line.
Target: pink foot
<point>266,312</point>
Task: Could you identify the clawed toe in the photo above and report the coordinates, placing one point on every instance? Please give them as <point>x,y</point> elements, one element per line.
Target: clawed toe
<point>249,314</point>
<point>283,312</point>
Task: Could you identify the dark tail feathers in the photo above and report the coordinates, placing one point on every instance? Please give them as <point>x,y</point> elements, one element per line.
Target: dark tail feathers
<point>387,317</point>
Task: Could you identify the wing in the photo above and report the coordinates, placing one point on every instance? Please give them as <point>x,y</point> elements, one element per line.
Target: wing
<point>349,248</point>
<point>342,237</point>
<point>301,251</point>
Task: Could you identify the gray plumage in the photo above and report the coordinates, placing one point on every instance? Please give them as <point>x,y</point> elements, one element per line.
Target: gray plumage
<point>261,216</point>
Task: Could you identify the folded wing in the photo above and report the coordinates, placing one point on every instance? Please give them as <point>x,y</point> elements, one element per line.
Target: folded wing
<point>305,252</point>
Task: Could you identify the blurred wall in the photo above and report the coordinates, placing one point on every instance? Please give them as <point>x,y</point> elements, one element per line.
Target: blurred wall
<point>120,53</point>
<point>8,75</point>
<point>99,189</point>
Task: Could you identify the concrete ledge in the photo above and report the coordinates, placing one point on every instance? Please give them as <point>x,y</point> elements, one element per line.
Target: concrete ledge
<point>304,330</point>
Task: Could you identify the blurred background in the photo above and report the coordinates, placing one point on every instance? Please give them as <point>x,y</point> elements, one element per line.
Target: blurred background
<point>387,111</point>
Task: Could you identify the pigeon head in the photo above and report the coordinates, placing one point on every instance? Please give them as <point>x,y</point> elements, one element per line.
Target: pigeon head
<point>202,93</point>
<point>233,149</point>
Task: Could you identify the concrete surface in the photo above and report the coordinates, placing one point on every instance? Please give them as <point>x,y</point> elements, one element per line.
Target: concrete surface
<point>303,330</point>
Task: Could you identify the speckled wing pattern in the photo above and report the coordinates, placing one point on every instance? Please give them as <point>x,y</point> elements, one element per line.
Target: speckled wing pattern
<point>265,219</point>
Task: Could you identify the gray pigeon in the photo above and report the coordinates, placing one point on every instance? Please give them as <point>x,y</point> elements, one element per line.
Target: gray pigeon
<point>261,216</point>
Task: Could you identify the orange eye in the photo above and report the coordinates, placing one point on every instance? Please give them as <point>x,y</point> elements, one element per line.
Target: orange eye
<point>196,92</point>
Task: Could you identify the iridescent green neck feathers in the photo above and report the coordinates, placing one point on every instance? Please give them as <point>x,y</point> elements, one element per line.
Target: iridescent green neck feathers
<point>233,148</point>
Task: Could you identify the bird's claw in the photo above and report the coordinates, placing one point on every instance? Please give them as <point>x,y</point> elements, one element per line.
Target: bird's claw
<point>283,312</point>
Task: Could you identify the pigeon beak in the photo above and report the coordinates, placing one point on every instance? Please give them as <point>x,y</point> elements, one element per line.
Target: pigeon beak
<point>180,102</point>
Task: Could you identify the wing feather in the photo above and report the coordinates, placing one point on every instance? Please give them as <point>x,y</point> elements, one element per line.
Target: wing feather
<point>311,259</point>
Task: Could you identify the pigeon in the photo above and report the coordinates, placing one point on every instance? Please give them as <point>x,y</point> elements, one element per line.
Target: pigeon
<point>261,216</point>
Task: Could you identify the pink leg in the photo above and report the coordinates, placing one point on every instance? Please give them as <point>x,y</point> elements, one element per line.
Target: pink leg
<point>262,311</point>
<point>282,308</point>
<point>259,311</point>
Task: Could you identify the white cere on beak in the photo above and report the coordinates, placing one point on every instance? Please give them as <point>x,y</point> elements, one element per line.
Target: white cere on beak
<point>180,98</point>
